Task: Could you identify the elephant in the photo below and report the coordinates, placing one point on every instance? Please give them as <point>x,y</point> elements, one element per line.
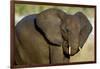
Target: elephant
<point>70,31</point>
<point>50,37</point>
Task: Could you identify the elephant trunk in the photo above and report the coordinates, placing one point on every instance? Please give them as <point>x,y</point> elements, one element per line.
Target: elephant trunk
<point>73,46</point>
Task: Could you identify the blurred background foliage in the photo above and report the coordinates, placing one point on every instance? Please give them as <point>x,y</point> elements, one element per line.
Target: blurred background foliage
<point>22,10</point>
<point>25,9</point>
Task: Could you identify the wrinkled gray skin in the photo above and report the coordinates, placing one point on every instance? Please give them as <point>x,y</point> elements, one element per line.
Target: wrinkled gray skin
<point>44,38</point>
<point>31,46</point>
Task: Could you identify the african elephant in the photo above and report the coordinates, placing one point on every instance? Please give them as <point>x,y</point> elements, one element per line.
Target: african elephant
<point>70,31</point>
<point>50,37</point>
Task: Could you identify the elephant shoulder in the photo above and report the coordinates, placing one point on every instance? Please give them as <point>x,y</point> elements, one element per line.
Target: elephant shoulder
<point>27,20</point>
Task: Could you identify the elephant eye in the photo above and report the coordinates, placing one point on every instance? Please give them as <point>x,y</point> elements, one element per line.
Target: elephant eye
<point>65,30</point>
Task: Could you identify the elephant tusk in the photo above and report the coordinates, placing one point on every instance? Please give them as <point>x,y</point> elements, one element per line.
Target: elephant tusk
<point>69,50</point>
<point>80,48</point>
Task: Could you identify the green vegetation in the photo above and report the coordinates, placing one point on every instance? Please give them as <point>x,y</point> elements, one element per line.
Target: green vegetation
<point>25,9</point>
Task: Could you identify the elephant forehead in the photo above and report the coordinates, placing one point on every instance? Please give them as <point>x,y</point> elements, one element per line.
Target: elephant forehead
<point>73,22</point>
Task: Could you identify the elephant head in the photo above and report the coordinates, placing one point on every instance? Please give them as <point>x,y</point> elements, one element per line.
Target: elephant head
<point>75,30</point>
<point>70,32</point>
<point>60,28</point>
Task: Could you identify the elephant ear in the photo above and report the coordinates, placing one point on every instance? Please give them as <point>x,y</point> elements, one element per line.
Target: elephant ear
<point>86,28</point>
<point>50,25</point>
<point>83,19</point>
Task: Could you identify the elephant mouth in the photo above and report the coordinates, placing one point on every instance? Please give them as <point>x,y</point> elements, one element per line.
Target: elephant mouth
<point>68,50</point>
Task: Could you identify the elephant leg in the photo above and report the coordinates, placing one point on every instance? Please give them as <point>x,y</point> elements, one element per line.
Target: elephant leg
<point>18,60</point>
<point>84,34</point>
<point>56,54</point>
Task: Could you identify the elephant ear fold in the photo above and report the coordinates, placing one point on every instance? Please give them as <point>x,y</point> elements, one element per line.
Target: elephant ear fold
<point>50,26</point>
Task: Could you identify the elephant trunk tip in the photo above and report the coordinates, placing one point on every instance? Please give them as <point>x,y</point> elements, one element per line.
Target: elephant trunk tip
<point>73,52</point>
